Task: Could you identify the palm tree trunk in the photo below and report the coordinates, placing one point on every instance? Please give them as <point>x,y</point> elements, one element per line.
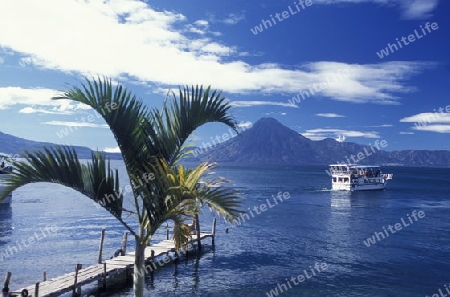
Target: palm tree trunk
<point>139,267</point>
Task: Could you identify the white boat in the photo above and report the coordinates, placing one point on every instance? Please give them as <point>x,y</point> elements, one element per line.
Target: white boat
<point>351,177</point>
<point>6,169</point>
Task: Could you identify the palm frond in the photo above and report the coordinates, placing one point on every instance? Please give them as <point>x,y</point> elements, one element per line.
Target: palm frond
<point>225,201</point>
<point>181,116</point>
<point>188,188</point>
<point>61,165</point>
<point>127,117</point>
<point>181,231</point>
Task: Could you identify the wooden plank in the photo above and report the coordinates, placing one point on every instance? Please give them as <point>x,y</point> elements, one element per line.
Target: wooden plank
<point>157,249</point>
<point>123,259</point>
<point>166,242</point>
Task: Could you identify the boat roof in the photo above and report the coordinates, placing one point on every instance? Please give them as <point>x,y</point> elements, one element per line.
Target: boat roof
<point>355,165</point>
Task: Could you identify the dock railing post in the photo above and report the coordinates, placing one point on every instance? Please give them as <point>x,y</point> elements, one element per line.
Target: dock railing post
<point>44,276</point>
<point>152,257</point>
<point>124,242</point>
<point>36,290</point>
<point>213,233</point>
<point>197,230</point>
<point>74,291</point>
<point>176,261</point>
<point>7,279</point>
<point>100,249</point>
<point>104,277</point>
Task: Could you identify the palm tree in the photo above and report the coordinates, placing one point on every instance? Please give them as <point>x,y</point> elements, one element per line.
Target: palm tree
<point>151,141</point>
<point>199,192</point>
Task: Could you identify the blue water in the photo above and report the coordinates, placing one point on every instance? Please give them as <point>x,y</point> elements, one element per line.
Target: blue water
<point>268,249</point>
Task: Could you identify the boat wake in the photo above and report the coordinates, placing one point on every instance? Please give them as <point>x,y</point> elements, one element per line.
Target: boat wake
<point>325,190</point>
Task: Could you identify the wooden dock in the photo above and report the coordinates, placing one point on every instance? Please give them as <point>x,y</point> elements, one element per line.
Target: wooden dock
<point>70,282</point>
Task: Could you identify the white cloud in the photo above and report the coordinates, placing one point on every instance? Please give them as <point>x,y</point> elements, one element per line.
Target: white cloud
<point>245,125</point>
<point>438,122</point>
<point>112,149</point>
<point>206,46</point>
<point>411,9</point>
<point>433,128</point>
<point>275,113</point>
<point>406,133</point>
<point>427,117</point>
<point>201,23</point>
<point>381,126</point>
<point>234,18</point>
<point>159,44</point>
<point>76,124</point>
<point>200,27</point>
<point>36,96</point>
<point>330,115</point>
<point>196,30</point>
<point>372,83</point>
<point>418,9</point>
<point>260,103</point>
<point>41,110</point>
<point>32,97</point>
<point>322,133</point>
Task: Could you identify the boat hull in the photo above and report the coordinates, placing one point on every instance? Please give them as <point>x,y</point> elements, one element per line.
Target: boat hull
<point>356,187</point>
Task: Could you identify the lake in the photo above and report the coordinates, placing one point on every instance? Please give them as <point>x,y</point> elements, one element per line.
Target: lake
<point>308,240</point>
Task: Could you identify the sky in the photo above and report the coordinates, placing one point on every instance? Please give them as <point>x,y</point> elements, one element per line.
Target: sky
<point>353,70</point>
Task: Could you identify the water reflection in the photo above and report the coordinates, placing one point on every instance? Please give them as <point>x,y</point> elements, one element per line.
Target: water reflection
<point>5,211</point>
<point>5,223</point>
<point>340,199</point>
<point>367,199</point>
<point>341,231</point>
<point>195,274</point>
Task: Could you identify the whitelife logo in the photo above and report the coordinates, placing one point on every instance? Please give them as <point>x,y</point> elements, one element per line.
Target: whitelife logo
<point>281,16</point>
<point>380,235</point>
<point>411,38</point>
<point>280,288</point>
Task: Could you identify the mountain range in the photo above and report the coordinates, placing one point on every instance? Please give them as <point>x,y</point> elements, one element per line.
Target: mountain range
<point>270,142</point>
<point>13,145</point>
